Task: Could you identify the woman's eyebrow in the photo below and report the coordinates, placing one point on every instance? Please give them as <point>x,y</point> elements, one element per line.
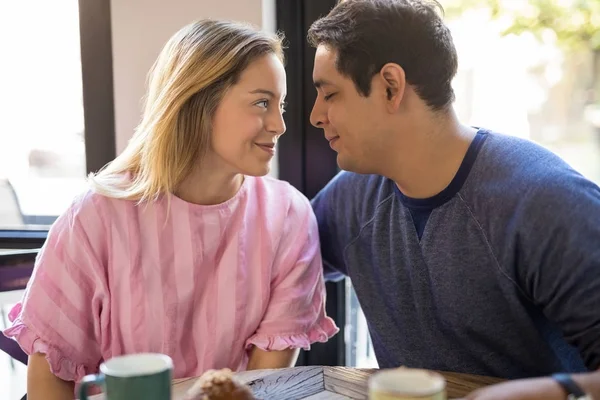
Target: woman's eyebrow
<point>263,91</point>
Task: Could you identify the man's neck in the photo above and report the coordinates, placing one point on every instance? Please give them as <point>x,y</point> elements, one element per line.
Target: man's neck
<point>429,165</point>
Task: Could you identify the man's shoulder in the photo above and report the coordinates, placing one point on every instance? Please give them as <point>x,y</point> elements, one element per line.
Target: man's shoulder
<point>342,208</point>
<point>349,190</point>
<point>351,200</point>
<point>512,173</point>
<point>520,157</point>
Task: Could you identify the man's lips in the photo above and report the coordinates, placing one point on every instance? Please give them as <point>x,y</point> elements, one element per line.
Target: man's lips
<point>332,140</point>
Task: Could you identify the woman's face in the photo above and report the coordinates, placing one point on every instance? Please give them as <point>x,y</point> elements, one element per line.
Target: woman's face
<point>249,120</point>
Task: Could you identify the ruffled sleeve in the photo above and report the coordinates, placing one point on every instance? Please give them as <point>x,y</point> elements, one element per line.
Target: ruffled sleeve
<point>61,309</point>
<point>31,343</point>
<point>295,316</point>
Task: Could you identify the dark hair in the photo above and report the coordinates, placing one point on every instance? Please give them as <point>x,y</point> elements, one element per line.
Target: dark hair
<point>367,34</point>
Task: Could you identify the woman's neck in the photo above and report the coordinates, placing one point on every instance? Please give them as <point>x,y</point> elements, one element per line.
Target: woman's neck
<point>206,186</point>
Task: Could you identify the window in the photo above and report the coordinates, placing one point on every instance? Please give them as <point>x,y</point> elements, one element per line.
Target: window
<point>56,122</point>
<point>42,160</point>
<point>359,348</point>
<point>532,77</point>
<point>56,118</point>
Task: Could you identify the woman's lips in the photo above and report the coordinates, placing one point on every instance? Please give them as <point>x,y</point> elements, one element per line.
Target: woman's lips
<point>267,147</point>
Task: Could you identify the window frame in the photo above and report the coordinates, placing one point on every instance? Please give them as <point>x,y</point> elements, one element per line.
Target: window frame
<point>304,157</point>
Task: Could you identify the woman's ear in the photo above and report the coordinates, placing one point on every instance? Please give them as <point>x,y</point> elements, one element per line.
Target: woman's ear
<point>394,80</point>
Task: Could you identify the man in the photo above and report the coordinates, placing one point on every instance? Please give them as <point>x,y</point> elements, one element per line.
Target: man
<point>470,251</point>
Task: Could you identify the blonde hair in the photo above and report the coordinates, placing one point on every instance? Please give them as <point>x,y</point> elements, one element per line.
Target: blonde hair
<point>185,86</point>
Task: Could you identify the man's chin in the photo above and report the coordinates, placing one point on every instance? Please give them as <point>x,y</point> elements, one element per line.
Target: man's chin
<point>345,163</point>
<point>352,165</point>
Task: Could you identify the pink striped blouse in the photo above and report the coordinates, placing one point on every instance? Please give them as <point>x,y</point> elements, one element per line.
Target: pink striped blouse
<point>201,284</point>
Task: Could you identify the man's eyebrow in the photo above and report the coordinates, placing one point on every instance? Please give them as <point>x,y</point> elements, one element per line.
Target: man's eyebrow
<point>321,82</point>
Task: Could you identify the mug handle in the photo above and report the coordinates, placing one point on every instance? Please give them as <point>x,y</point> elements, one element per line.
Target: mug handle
<point>88,381</point>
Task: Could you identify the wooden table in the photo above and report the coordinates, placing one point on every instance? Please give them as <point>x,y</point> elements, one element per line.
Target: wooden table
<point>328,383</point>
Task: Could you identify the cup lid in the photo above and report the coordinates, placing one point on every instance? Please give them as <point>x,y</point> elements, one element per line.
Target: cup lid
<point>139,364</point>
<point>407,381</point>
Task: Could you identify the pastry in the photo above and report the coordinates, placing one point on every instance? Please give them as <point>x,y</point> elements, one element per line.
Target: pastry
<point>219,385</point>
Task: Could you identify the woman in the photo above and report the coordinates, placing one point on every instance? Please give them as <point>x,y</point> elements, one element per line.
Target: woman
<point>183,246</point>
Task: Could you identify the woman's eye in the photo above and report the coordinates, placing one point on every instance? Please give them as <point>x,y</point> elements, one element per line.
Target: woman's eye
<point>263,104</point>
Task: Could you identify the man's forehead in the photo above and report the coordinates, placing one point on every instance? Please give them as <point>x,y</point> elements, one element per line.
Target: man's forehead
<point>324,71</point>
<point>325,56</point>
<point>326,50</point>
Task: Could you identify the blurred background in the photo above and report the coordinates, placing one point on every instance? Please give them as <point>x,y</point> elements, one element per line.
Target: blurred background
<point>526,68</point>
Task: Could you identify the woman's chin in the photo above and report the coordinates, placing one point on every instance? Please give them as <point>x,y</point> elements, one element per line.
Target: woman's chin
<point>257,170</point>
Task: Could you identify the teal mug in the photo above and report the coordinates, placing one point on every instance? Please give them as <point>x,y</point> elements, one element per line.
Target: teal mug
<point>135,376</point>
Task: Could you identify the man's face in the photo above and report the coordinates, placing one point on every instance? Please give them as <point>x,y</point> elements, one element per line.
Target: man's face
<point>352,124</point>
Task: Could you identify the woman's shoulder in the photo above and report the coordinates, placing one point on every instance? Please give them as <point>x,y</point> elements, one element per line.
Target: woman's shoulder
<point>92,210</point>
<point>90,201</point>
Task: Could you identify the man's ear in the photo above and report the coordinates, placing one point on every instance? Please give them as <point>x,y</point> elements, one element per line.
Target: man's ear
<point>394,81</point>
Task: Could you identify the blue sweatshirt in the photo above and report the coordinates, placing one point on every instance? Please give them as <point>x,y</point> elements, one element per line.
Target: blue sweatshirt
<point>499,274</point>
